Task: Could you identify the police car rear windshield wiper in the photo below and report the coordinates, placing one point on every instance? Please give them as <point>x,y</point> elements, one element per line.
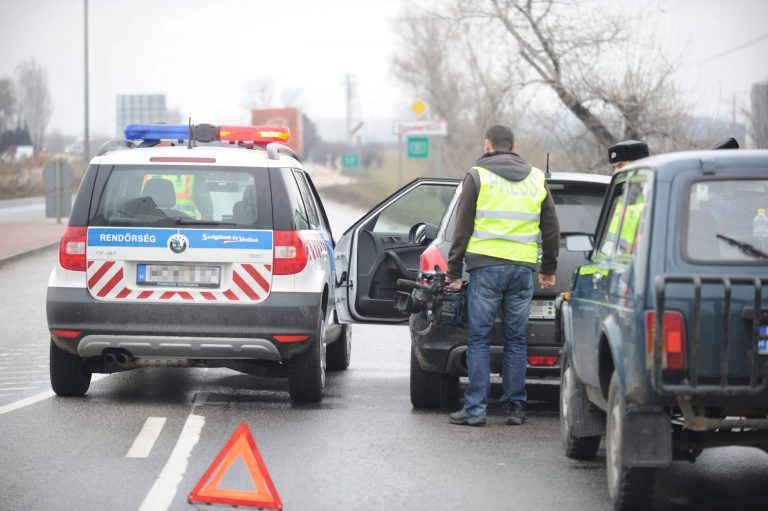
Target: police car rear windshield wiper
<point>746,248</point>
<point>191,221</point>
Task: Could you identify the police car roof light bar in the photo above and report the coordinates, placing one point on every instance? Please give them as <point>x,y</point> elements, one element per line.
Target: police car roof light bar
<point>156,132</point>
<point>257,134</point>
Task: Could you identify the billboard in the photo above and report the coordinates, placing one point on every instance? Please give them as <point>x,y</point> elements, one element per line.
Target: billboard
<point>290,117</point>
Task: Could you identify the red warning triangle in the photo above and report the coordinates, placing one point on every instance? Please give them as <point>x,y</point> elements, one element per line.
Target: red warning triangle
<point>239,446</point>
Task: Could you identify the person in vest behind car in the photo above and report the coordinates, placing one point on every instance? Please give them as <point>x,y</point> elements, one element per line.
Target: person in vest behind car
<point>503,209</point>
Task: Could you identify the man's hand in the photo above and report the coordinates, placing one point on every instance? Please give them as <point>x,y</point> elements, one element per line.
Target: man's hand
<point>452,284</point>
<point>546,281</point>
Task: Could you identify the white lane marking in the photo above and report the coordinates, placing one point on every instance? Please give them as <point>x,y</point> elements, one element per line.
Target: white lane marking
<point>17,388</point>
<point>166,485</point>
<point>146,438</point>
<point>10,407</point>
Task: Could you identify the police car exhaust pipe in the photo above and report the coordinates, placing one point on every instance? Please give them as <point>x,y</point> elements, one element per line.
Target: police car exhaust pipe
<point>109,358</point>
<point>122,359</point>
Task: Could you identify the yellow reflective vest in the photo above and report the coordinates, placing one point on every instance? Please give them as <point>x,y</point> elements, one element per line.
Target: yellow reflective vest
<point>507,216</point>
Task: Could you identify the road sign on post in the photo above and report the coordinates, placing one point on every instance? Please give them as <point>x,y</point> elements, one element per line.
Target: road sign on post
<point>433,127</point>
<point>350,161</point>
<point>418,148</point>
<point>58,176</point>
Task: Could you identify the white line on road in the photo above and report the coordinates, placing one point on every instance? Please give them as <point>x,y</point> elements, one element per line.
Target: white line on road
<point>10,407</point>
<point>166,485</point>
<point>146,438</point>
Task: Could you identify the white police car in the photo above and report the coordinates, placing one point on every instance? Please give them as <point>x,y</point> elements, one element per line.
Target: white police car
<point>196,256</point>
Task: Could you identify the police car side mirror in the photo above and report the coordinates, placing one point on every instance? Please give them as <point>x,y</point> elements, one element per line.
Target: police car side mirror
<point>422,233</point>
<point>578,243</point>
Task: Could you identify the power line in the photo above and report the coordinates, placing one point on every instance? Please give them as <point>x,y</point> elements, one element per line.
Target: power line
<point>732,50</point>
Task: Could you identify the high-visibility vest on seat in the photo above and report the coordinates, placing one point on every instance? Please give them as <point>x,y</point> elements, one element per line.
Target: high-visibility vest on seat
<point>507,216</point>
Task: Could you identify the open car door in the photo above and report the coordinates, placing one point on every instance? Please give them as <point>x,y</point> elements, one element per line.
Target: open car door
<point>385,245</point>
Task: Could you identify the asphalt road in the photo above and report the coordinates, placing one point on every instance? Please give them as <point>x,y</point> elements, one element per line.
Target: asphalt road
<point>363,447</point>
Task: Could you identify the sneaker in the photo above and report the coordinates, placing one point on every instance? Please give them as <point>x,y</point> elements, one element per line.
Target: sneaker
<point>462,418</point>
<point>515,411</point>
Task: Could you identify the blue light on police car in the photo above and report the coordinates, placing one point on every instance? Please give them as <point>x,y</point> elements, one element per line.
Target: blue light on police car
<point>157,132</point>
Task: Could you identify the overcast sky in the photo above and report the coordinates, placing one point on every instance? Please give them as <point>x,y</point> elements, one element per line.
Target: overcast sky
<point>203,53</point>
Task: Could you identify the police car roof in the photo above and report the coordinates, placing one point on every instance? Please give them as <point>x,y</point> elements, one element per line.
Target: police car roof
<point>581,177</point>
<point>669,164</point>
<point>227,156</point>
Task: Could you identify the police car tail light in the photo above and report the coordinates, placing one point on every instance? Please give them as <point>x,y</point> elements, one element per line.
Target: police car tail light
<point>255,134</point>
<point>72,248</point>
<point>673,334</point>
<point>290,255</point>
<point>432,257</point>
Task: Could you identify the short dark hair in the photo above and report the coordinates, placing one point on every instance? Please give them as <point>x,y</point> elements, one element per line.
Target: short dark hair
<point>500,137</point>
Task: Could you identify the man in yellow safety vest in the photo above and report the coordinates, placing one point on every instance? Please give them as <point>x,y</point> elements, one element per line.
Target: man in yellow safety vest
<point>503,210</point>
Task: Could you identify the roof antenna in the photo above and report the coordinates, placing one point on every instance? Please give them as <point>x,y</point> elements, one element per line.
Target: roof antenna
<point>191,134</point>
<point>547,174</point>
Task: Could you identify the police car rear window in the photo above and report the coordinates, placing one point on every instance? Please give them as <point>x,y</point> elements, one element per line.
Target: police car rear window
<point>727,221</point>
<point>165,196</point>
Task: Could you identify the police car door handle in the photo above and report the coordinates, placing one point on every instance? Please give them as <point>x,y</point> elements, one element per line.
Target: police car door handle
<point>596,278</point>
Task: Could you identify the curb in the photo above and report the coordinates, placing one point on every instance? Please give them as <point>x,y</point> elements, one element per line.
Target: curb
<point>21,255</point>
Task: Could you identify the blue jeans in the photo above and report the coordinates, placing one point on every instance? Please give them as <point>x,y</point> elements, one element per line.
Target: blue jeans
<point>509,288</point>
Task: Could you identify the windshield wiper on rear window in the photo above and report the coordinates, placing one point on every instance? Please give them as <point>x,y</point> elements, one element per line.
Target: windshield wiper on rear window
<point>192,221</point>
<point>746,248</point>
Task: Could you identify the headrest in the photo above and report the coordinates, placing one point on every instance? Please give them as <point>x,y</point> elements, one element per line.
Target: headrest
<point>161,191</point>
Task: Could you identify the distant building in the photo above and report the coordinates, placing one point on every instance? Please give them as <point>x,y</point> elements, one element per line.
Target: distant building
<point>760,115</point>
<point>139,109</point>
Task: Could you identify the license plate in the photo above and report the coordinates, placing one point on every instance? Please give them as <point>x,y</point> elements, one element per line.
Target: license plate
<point>176,275</point>
<point>542,309</point>
<point>762,340</point>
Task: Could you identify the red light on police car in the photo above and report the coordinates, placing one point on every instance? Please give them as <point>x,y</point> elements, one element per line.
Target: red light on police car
<point>72,248</point>
<point>255,134</point>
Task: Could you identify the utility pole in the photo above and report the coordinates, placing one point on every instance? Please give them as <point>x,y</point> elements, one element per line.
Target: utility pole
<point>349,93</point>
<point>86,135</point>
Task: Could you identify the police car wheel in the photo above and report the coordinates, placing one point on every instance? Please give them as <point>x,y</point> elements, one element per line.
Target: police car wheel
<point>628,487</point>
<point>68,374</point>
<point>306,372</point>
<point>340,350</point>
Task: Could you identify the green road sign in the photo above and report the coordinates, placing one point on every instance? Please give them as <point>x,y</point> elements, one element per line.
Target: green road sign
<point>418,148</point>
<point>350,161</point>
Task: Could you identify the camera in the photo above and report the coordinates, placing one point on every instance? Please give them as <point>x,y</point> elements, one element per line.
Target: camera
<point>429,303</point>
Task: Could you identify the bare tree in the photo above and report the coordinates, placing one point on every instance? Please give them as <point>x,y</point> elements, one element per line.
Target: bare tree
<point>560,55</point>
<point>459,78</point>
<point>7,103</point>
<point>34,107</point>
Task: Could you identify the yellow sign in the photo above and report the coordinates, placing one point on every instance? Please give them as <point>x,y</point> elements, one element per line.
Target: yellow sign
<point>419,107</point>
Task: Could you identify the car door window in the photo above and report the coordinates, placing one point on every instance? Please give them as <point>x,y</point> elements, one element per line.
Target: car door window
<point>298,212</point>
<point>424,204</point>
<point>309,204</point>
<point>612,225</point>
<point>630,229</point>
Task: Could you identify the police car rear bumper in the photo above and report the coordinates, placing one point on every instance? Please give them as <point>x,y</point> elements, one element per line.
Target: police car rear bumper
<point>190,330</point>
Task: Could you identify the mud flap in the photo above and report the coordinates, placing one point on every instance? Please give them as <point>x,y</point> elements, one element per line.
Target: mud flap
<point>587,421</point>
<point>647,438</point>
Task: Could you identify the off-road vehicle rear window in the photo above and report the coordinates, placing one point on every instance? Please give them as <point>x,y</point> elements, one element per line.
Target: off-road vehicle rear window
<point>164,196</point>
<point>724,223</point>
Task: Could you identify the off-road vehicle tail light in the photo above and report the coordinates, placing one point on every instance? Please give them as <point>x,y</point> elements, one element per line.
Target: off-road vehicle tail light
<point>673,332</point>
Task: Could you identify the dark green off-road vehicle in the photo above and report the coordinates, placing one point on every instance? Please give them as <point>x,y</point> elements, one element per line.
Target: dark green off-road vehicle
<point>664,329</point>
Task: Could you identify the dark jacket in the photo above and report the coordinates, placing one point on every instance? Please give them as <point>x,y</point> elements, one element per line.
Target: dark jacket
<point>512,167</point>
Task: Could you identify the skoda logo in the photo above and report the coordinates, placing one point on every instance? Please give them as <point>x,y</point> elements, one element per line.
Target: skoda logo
<point>178,243</point>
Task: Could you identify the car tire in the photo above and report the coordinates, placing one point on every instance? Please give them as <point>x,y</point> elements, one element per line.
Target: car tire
<point>68,374</point>
<point>306,372</point>
<point>629,487</point>
<point>432,390</point>
<point>577,448</point>
<point>340,351</point>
